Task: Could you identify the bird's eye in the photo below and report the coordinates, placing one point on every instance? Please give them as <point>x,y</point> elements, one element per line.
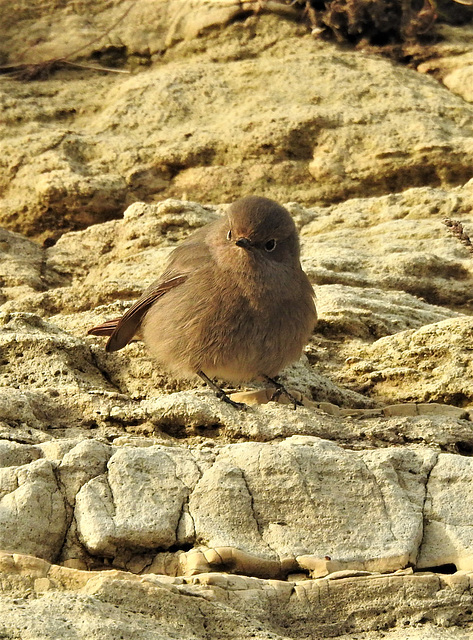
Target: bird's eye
<point>270,245</point>
<point>229,235</point>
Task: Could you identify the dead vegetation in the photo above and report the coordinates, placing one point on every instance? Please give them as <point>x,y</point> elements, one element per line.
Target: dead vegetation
<point>456,229</point>
<point>384,26</point>
<point>375,23</point>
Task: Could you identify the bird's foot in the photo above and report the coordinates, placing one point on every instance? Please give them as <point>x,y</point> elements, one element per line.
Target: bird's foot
<point>241,406</point>
<point>220,393</point>
<point>280,390</point>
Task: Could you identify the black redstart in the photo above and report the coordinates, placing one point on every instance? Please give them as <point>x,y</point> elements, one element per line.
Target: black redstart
<point>233,302</point>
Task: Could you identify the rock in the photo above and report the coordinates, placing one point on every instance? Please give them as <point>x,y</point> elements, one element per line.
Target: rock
<point>200,561</point>
<point>21,265</point>
<point>132,506</point>
<point>452,60</point>
<point>396,242</point>
<point>347,310</point>
<point>237,485</point>
<point>430,364</point>
<point>459,81</point>
<point>36,354</point>
<point>447,532</point>
<point>30,497</point>
<point>13,454</point>
<point>83,462</point>
<point>372,313</point>
<point>40,358</point>
<point>325,140</point>
<point>159,501</point>
<point>100,264</point>
<point>144,34</point>
<point>159,481</point>
<point>68,601</point>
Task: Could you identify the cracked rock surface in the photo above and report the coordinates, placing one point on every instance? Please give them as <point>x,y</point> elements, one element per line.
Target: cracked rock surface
<point>139,503</point>
<point>134,504</point>
<point>358,126</point>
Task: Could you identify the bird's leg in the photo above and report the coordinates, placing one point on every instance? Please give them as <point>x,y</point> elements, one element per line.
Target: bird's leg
<point>220,393</point>
<point>281,389</point>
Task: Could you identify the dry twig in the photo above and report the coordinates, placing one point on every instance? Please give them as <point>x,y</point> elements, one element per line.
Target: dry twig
<point>40,70</point>
<point>456,229</point>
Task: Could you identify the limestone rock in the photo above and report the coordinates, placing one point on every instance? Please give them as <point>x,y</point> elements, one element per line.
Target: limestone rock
<point>447,530</point>
<point>372,313</point>
<point>21,265</point>
<point>140,502</point>
<point>114,260</point>
<point>32,512</point>
<point>452,60</point>
<point>460,81</point>
<point>144,230</point>
<point>325,140</point>
<point>237,484</point>
<point>61,386</point>
<point>69,603</point>
<point>36,354</point>
<point>239,524</point>
<point>13,454</point>
<point>146,31</point>
<point>395,242</point>
<point>430,364</point>
<point>83,462</point>
<point>119,258</point>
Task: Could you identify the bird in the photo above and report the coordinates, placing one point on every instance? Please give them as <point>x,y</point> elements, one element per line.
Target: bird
<point>233,302</point>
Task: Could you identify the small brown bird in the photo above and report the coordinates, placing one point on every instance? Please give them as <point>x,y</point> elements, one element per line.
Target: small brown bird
<point>233,302</point>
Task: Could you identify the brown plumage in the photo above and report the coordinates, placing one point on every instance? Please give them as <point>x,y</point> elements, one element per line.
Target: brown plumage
<point>233,302</point>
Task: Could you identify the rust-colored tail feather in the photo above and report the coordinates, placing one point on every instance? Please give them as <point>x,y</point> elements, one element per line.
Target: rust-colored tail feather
<point>105,329</point>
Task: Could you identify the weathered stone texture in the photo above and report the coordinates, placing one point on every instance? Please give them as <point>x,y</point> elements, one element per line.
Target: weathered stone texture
<point>171,515</point>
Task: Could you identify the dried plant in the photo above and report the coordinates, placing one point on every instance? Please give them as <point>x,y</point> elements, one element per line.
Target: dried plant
<point>383,24</point>
<point>376,23</point>
<point>43,69</point>
<point>456,229</point>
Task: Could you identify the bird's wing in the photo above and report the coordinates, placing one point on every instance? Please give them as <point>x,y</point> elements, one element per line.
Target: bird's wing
<point>186,259</point>
<point>122,330</point>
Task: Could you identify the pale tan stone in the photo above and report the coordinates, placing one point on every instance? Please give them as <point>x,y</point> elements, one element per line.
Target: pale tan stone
<point>30,497</point>
<point>262,396</point>
<point>42,584</point>
<point>110,514</point>
<point>193,562</point>
<point>30,565</point>
<point>435,408</point>
<point>407,409</point>
<point>407,133</point>
<point>82,463</point>
<point>227,493</point>
<point>460,81</point>
<point>442,599</point>
<point>430,366</point>
<point>448,515</point>
<point>75,563</point>
<point>168,564</point>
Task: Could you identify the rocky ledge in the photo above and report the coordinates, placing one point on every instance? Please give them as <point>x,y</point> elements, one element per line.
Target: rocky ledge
<point>136,504</point>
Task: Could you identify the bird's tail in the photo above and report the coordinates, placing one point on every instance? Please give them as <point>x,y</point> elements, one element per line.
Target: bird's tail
<point>105,329</point>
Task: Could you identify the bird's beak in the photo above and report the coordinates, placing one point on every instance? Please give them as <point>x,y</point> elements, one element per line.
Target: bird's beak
<point>243,242</point>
